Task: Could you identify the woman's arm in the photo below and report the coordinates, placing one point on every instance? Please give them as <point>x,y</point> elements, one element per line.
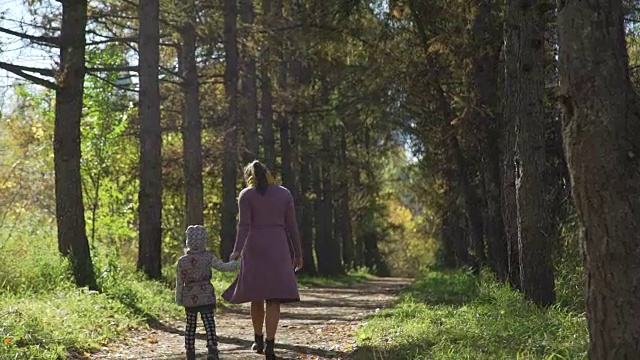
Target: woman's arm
<point>292,226</point>
<point>244,222</point>
<point>223,266</point>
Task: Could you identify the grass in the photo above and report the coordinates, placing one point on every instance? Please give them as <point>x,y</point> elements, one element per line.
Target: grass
<point>454,315</point>
<point>44,316</point>
<point>352,277</point>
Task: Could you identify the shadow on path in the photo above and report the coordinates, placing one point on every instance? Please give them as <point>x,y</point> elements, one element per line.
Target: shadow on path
<point>321,326</point>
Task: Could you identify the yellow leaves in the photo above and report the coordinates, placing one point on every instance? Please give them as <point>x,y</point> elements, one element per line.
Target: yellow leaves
<point>6,341</point>
<point>152,340</point>
<point>38,131</point>
<point>399,215</point>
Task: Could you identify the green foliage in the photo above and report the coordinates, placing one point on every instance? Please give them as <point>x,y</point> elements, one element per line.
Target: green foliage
<point>352,277</point>
<point>410,245</point>
<point>454,315</point>
<point>44,316</point>
<point>109,153</point>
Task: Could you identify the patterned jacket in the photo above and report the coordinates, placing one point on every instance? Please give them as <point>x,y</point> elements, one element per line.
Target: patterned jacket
<point>193,277</point>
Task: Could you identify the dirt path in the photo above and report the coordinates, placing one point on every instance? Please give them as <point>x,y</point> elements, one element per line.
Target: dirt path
<point>321,326</point>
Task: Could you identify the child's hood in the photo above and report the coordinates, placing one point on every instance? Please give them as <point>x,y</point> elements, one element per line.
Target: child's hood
<point>196,238</point>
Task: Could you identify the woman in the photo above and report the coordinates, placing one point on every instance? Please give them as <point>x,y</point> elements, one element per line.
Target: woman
<point>267,215</point>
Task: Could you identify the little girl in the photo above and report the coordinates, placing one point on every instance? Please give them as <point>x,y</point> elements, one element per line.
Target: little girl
<point>194,290</point>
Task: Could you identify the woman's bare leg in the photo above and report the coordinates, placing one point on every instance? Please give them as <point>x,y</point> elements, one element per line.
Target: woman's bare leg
<point>257,316</point>
<point>272,318</point>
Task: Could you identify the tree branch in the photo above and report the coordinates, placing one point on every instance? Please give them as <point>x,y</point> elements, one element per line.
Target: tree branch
<point>22,72</point>
<point>113,84</point>
<point>44,40</point>
<point>112,69</point>
<point>112,40</point>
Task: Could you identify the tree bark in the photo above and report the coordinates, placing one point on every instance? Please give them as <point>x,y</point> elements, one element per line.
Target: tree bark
<point>534,227</point>
<point>306,206</point>
<point>249,92</point>
<point>70,220</point>
<point>472,204</point>
<point>327,249</point>
<point>230,153</point>
<point>268,137</point>
<point>288,177</point>
<point>487,40</point>
<point>602,145</point>
<point>507,147</point>
<point>150,196</point>
<point>191,129</point>
<point>346,229</point>
<point>358,230</point>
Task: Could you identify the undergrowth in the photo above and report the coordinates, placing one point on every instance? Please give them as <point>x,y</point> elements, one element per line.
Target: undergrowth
<point>44,316</point>
<point>454,315</point>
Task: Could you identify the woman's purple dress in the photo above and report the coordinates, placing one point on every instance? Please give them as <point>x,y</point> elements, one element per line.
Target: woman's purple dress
<point>266,268</point>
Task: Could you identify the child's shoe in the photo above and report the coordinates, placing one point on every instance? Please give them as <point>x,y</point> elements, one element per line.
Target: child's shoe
<point>269,351</point>
<point>258,344</point>
<point>191,355</point>
<point>213,354</point>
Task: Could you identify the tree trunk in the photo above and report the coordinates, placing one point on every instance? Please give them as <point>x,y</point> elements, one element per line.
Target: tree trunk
<point>447,238</point>
<point>346,230</point>
<point>268,137</point>
<point>472,205</point>
<point>487,39</point>
<point>191,128</point>
<point>358,252</point>
<point>453,239</point>
<point>306,207</point>
<point>507,150</point>
<point>288,178</point>
<point>328,250</point>
<point>602,145</point>
<point>534,230</point>
<point>72,236</point>
<point>230,153</point>
<point>249,106</point>
<point>150,197</point>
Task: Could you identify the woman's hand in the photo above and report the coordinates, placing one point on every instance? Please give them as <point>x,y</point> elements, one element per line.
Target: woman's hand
<point>297,263</point>
<point>234,256</point>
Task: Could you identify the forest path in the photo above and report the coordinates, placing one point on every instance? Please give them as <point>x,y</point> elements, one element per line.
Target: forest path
<point>321,326</point>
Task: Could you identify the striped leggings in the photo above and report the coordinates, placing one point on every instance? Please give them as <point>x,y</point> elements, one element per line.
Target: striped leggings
<point>209,326</point>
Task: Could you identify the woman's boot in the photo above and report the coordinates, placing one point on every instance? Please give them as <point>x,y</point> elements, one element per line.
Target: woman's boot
<point>258,344</point>
<point>269,351</point>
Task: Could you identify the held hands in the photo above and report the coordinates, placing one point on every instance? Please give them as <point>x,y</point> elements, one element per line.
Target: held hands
<point>297,263</point>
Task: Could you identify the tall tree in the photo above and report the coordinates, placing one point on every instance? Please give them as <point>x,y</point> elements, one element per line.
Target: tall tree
<point>150,196</point>
<point>306,205</point>
<point>248,84</point>
<point>487,40</point>
<point>69,88</point>
<point>266,108</point>
<point>507,145</point>
<point>602,145</point>
<point>230,154</point>
<point>534,226</point>
<point>72,236</point>
<point>344,208</point>
<point>191,128</point>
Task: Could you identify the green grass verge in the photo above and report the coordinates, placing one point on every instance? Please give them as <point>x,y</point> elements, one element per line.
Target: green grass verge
<point>454,315</point>
<point>352,277</point>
